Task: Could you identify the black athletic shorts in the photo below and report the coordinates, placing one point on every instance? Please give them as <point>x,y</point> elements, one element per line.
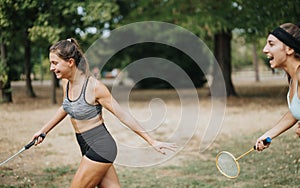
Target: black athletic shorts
<point>97,144</point>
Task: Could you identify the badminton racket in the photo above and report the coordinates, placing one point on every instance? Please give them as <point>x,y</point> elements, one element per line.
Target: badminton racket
<point>26,147</point>
<point>228,165</point>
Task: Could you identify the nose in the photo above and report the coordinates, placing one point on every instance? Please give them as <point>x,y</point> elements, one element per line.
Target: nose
<point>52,67</point>
<point>265,49</point>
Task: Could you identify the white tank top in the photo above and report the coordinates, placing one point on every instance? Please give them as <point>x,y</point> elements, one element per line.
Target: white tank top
<point>294,105</point>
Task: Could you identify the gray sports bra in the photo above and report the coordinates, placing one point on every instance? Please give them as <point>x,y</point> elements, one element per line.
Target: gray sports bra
<point>80,109</point>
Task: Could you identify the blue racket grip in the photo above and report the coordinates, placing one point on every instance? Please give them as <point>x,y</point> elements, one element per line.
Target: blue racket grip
<point>268,140</point>
<point>43,135</point>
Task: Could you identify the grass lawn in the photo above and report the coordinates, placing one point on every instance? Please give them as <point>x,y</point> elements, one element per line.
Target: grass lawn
<point>278,166</point>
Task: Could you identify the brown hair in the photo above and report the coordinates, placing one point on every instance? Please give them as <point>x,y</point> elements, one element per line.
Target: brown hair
<point>66,49</point>
<point>294,30</point>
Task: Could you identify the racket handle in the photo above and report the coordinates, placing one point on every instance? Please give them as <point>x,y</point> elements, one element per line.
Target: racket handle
<point>43,135</point>
<point>268,140</point>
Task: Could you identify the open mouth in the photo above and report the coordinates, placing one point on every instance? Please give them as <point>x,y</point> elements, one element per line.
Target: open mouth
<point>270,58</point>
<point>57,73</point>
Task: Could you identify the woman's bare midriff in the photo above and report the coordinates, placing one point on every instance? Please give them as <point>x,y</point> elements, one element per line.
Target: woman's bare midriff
<point>81,126</point>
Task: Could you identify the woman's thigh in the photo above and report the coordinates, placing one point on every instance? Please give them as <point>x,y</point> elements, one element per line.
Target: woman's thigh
<point>89,173</point>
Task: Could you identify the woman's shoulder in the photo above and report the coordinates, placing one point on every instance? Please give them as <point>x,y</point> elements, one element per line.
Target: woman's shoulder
<point>94,81</point>
<point>97,85</point>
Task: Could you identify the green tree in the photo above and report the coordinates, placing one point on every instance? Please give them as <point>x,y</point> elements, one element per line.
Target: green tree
<point>166,11</point>
<point>5,28</point>
<point>260,17</point>
<point>34,25</point>
<point>214,21</point>
<point>55,20</point>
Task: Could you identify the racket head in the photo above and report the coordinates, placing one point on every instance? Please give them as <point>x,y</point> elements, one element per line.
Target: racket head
<point>227,164</point>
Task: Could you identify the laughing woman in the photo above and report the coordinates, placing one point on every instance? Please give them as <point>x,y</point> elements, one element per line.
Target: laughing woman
<point>283,51</point>
<point>84,97</point>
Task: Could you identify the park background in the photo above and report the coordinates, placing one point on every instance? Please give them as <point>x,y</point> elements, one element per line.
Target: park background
<point>235,31</point>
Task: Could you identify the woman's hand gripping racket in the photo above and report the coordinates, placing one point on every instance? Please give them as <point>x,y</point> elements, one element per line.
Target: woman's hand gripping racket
<point>24,148</point>
<point>228,165</point>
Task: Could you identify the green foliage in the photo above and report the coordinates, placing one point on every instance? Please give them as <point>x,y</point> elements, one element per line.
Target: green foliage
<point>205,17</point>
<point>50,21</point>
<point>54,20</point>
<point>97,13</point>
<point>47,22</point>
<point>44,32</point>
<point>257,17</point>
<point>242,52</point>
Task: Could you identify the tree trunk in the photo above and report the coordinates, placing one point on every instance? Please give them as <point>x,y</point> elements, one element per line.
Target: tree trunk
<point>6,92</point>
<point>255,63</point>
<point>222,52</point>
<point>5,86</point>
<point>27,58</point>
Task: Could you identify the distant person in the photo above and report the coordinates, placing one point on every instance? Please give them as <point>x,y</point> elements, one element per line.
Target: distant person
<point>84,97</point>
<point>283,51</point>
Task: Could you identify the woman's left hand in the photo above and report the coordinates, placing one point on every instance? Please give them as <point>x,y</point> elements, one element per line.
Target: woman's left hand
<point>162,146</point>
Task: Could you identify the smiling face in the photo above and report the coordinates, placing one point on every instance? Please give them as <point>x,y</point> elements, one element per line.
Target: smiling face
<point>60,67</point>
<point>275,51</point>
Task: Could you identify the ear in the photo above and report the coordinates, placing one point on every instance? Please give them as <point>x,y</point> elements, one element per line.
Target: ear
<point>289,51</point>
<point>71,62</point>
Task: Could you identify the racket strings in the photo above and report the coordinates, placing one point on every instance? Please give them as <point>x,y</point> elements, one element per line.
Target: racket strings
<point>227,164</point>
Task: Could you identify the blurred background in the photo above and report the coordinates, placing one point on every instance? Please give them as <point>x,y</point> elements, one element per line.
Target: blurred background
<point>234,30</point>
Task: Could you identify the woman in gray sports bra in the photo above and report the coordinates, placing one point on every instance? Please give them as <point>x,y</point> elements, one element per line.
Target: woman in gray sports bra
<point>84,97</point>
<point>283,51</point>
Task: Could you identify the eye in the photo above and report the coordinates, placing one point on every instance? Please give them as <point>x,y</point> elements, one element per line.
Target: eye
<point>53,62</point>
<point>271,43</point>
